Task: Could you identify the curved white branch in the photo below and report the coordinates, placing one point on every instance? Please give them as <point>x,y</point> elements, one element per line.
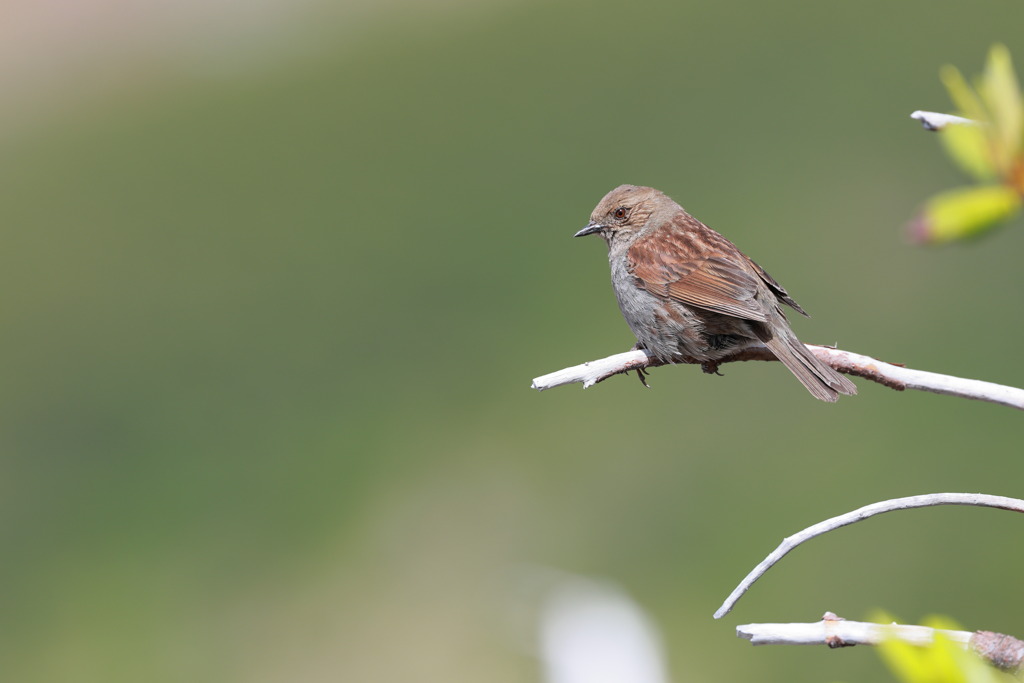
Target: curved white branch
<point>858,515</point>
<point>894,376</point>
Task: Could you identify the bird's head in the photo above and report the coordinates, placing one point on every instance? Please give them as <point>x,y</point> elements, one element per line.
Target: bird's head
<point>622,213</point>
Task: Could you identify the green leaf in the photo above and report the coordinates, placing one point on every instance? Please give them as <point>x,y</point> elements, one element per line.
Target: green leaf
<point>1001,93</point>
<point>969,146</point>
<point>964,212</point>
<point>963,96</point>
<point>940,662</point>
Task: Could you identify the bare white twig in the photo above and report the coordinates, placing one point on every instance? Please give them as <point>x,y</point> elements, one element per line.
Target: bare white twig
<point>594,371</point>
<point>836,632</point>
<point>893,376</point>
<point>1002,651</point>
<point>858,515</point>
<point>935,121</point>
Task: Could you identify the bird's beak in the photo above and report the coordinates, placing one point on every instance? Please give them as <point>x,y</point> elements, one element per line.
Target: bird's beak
<point>590,229</point>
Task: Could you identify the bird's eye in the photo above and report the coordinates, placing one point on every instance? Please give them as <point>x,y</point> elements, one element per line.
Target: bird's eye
<point>620,212</point>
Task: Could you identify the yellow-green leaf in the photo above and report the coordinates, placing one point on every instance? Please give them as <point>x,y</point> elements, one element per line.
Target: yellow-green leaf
<point>1001,93</point>
<point>943,661</point>
<point>969,146</point>
<point>963,95</point>
<point>907,662</point>
<point>964,212</point>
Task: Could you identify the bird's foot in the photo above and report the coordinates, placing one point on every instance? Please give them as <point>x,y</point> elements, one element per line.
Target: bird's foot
<point>710,367</point>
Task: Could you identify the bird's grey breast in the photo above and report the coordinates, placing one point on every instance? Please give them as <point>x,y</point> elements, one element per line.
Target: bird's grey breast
<point>645,313</point>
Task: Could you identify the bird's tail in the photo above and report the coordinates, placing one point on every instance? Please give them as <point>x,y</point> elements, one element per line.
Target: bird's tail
<point>821,380</point>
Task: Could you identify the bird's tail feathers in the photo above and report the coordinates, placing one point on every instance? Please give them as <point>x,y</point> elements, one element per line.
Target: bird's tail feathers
<point>822,381</point>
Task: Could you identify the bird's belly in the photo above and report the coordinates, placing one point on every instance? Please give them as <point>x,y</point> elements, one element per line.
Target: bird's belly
<point>666,329</point>
<point>673,332</point>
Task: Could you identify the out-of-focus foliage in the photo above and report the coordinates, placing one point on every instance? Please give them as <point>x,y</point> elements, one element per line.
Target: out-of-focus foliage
<point>941,662</point>
<point>989,150</point>
<point>965,212</point>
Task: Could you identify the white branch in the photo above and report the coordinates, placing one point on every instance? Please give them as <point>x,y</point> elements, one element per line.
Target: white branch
<point>922,380</point>
<point>593,372</point>
<point>1003,651</point>
<point>894,376</point>
<point>935,121</point>
<point>858,515</point>
<point>836,632</point>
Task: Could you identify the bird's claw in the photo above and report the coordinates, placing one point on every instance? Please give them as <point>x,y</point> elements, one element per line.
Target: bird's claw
<point>710,367</point>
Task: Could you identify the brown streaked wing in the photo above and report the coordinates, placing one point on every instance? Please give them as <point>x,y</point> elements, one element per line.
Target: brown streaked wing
<point>778,289</point>
<point>696,266</point>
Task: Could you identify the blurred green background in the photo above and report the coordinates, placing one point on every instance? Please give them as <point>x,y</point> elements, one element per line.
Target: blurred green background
<point>277,282</point>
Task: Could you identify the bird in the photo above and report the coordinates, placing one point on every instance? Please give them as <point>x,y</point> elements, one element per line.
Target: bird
<point>691,296</point>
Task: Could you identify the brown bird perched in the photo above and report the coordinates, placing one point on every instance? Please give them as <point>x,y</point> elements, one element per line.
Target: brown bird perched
<point>690,295</point>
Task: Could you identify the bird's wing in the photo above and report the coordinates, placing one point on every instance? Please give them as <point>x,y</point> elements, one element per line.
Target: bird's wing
<point>700,268</point>
<point>778,289</point>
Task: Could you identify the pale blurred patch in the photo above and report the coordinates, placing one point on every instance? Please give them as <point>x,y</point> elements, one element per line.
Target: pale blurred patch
<point>593,632</point>
<point>55,54</point>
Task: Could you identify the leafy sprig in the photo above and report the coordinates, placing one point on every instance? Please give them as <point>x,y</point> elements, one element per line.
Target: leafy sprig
<point>988,148</point>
